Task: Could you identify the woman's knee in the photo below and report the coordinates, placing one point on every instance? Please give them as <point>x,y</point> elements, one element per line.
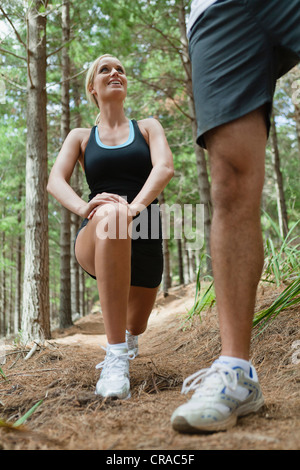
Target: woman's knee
<point>112,221</point>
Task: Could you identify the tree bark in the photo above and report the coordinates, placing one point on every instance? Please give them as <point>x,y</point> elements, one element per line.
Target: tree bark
<point>281,204</point>
<point>3,287</point>
<point>18,295</point>
<point>203,181</point>
<point>36,318</point>
<point>294,82</point>
<point>297,121</point>
<point>65,312</point>
<point>167,281</point>
<point>180,262</point>
<point>76,182</point>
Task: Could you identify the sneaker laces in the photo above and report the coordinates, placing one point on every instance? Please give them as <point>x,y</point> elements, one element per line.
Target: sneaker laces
<point>113,360</point>
<point>206,381</point>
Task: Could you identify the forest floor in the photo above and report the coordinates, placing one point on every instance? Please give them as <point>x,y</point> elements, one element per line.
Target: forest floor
<point>62,373</point>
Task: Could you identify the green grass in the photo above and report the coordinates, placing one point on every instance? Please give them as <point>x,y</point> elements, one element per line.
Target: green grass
<point>282,258</point>
<point>23,418</point>
<point>282,268</point>
<point>288,298</point>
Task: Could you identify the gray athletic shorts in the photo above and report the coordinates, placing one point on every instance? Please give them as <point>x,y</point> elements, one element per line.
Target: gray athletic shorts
<point>238,49</point>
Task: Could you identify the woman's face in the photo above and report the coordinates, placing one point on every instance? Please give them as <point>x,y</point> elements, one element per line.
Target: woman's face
<point>110,80</point>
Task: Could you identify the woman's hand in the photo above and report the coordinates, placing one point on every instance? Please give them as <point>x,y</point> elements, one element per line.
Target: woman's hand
<point>89,210</point>
<point>135,209</point>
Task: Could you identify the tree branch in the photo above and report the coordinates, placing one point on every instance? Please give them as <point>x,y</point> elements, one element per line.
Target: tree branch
<point>67,79</point>
<point>12,25</point>
<point>152,26</point>
<point>20,87</point>
<point>28,54</point>
<point>12,53</point>
<point>156,87</point>
<point>59,49</point>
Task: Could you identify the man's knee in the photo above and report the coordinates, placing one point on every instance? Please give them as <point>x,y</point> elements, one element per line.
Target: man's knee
<point>234,185</point>
<point>237,167</point>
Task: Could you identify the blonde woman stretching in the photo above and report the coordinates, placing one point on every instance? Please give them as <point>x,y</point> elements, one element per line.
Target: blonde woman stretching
<point>127,164</point>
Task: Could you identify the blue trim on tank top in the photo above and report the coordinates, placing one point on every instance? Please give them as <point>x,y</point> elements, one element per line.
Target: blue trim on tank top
<point>128,142</point>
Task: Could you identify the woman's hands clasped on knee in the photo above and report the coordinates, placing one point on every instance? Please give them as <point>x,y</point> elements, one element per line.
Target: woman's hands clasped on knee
<point>89,210</point>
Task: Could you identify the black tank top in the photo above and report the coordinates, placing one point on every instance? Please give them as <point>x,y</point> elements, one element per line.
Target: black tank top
<point>122,170</point>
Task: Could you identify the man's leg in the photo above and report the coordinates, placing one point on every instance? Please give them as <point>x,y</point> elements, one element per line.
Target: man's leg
<point>237,155</point>
<point>230,387</point>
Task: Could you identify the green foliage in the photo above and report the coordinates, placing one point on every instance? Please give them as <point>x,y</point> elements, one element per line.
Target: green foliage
<point>204,298</point>
<point>145,35</point>
<point>282,260</point>
<point>288,298</point>
<point>281,267</point>
<point>27,415</point>
<point>23,418</point>
<point>2,374</point>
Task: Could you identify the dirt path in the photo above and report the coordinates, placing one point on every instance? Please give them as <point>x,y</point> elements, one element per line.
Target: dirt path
<point>71,417</point>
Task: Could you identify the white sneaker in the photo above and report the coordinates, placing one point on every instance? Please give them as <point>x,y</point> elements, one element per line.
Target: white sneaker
<point>132,343</point>
<point>114,378</point>
<point>221,395</point>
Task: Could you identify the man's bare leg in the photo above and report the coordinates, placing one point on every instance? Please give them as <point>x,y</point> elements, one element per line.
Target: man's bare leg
<point>237,155</point>
<point>230,387</point>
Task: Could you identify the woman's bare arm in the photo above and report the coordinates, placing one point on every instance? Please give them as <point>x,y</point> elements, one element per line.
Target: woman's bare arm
<point>162,161</point>
<point>60,175</point>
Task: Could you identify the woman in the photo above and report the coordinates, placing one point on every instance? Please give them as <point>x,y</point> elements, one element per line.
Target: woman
<point>127,164</point>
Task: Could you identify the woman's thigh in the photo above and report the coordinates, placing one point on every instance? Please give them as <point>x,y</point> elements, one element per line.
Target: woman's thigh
<point>109,221</point>
<point>85,248</point>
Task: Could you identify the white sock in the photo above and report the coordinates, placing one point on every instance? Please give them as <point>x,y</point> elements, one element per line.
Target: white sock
<point>117,346</point>
<point>236,362</point>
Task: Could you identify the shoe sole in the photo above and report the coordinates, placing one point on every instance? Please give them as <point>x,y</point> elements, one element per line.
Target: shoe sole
<point>182,425</point>
<point>117,397</point>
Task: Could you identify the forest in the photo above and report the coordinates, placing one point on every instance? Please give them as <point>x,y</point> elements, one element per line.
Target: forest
<point>46,48</point>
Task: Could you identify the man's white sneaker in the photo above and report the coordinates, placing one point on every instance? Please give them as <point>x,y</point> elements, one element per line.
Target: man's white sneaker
<point>114,378</point>
<point>221,394</point>
<point>132,343</point>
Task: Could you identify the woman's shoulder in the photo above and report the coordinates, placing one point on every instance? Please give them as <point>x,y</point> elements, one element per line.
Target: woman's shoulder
<point>80,136</point>
<point>78,139</point>
<point>149,123</point>
<point>79,133</point>
<point>149,126</point>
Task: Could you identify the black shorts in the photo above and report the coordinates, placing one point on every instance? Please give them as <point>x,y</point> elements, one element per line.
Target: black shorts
<point>238,49</point>
<point>146,261</point>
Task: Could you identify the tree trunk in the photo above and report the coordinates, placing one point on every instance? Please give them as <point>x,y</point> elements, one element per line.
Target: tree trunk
<point>203,181</point>
<point>281,205</point>
<point>167,281</point>
<point>82,292</point>
<point>10,310</point>
<point>294,82</point>
<point>18,295</point>
<point>180,262</point>
<point>297,121</point>
<point>186,263</point>
<point>65,313</point>
<point>3,287</point>
<point>76,183</point>
<point>36,319</point>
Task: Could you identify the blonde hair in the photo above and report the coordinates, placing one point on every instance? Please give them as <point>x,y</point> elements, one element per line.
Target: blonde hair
<point>89,81</point>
